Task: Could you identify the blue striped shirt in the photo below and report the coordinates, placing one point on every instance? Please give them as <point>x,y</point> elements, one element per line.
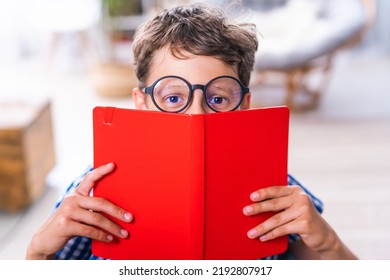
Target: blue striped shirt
<point>79,247</point>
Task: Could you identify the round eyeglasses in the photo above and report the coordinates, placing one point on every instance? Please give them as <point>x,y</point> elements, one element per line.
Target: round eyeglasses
<point>174,94</point>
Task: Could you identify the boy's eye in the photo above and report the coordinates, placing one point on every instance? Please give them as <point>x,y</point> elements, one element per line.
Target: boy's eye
<point>217,100</point>
<point>173,99</point>
<point>171,102</point>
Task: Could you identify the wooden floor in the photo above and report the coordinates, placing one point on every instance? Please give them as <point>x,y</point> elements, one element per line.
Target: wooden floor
<point>340,151</point>
<point>347,164</point>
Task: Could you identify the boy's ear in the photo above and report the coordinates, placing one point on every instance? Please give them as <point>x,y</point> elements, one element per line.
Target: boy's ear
<point>139,99</point>
<point>246,102</point>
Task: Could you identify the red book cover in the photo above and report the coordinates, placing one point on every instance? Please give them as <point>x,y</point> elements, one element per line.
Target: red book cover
<point>186,179</point>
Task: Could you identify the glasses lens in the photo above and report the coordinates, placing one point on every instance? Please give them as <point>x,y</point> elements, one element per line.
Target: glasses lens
<point>224,94</point>
<point>171,94</point>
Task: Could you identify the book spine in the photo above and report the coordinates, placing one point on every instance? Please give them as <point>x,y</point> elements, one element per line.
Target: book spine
<point>197,192</point>
<point>102,119</point>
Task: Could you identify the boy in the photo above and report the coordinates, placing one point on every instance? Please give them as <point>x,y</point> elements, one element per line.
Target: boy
<point>200,55</point>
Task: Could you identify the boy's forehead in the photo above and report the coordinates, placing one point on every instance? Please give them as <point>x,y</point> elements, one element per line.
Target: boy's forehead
<point>194,68</point>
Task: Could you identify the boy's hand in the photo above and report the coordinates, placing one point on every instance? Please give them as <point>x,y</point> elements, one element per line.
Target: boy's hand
<point>79,215</point>
<point>297,215</point>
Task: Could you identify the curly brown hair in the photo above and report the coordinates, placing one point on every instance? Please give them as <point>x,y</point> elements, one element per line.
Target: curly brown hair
<point>199,30</point>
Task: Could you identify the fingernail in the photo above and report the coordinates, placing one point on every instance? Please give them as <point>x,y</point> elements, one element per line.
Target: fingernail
<point>124,232</point>
<point>128,216</point>
<point>110,237</point>
<point>252,232</point>
<point>110,164</point>
<point>248,209</point>
<point>255,196</point>
<point>263,238</point>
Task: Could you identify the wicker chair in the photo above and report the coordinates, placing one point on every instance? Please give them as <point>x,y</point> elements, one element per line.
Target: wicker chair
<point>308,45</point>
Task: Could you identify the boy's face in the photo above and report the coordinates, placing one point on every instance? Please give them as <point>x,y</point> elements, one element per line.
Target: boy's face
<point>195,69</point>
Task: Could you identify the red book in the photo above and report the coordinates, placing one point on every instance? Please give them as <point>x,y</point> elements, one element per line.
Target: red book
<point>186,179</point>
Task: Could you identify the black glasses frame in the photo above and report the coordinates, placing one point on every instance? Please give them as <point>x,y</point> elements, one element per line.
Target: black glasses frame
<point>149,90</point>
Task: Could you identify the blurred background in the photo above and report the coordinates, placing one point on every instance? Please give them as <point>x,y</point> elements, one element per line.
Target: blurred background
<point>328,60</point>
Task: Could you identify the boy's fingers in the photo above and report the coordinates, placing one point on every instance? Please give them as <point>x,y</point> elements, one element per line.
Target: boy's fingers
<point>102,205</point>
<point>269,205</point>
<point>281,231</point>
<point>92,232</point>
<point>270,192</point>
<point>92,177</point>
<point>100,222</point>
<point>277,222</point>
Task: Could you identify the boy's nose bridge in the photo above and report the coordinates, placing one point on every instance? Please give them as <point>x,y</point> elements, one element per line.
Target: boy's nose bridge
<point>197,104</point>
<point>197,86</point>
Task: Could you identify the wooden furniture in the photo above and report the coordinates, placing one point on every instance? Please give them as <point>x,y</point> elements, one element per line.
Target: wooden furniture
<point>113,79</point>
<point>26,152</point>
